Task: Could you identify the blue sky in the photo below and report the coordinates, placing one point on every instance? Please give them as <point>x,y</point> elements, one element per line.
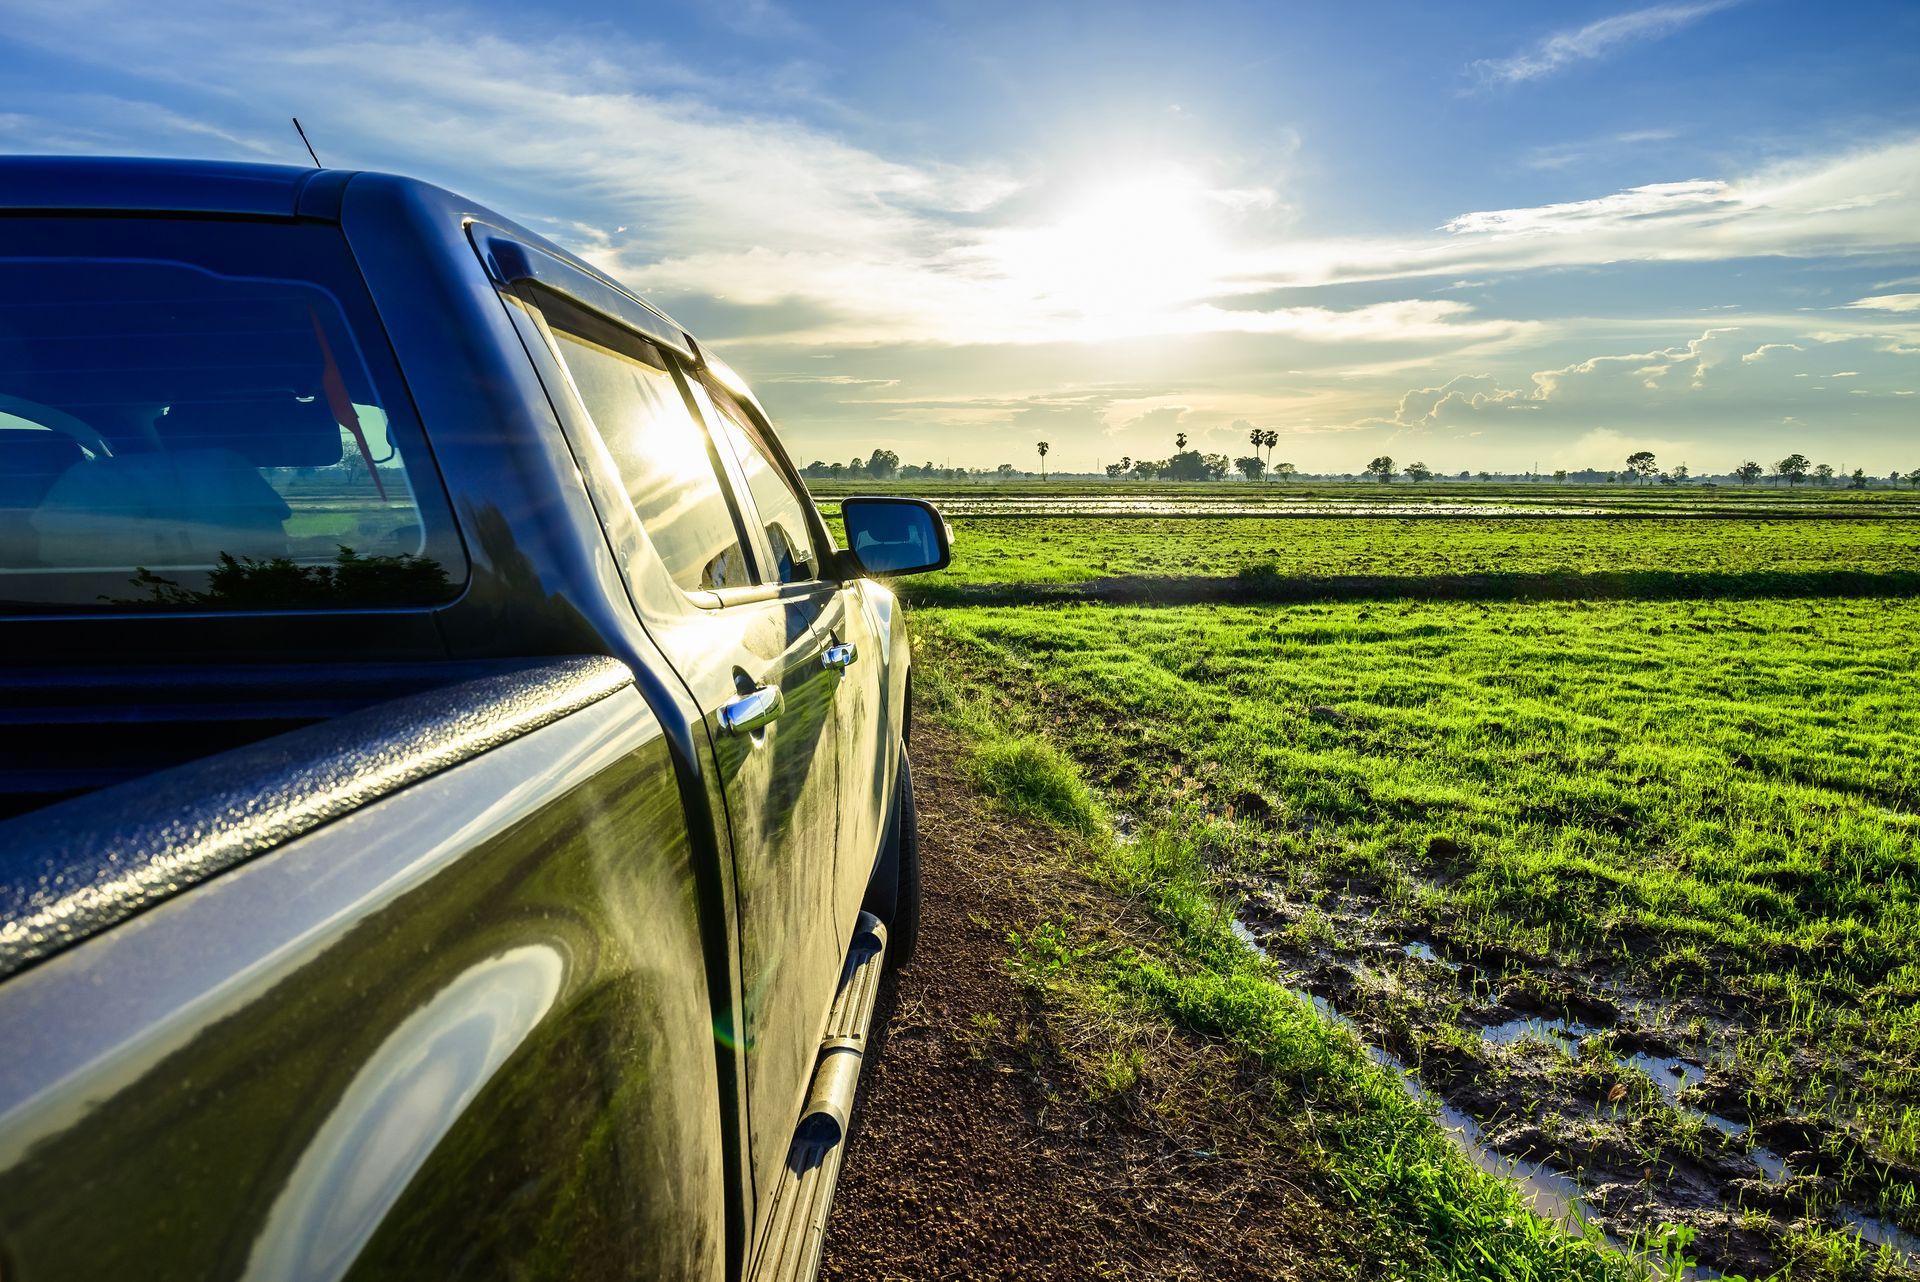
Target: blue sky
<point>1485,236</point>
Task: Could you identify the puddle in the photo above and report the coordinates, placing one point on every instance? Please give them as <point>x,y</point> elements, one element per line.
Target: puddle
<point>1674,1075</point>
<point>1879,1232</point>
<point>1550,1193</point>
<point>1565,1034</point>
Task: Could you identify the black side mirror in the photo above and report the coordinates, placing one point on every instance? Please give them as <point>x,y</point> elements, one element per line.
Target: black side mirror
<point>887,536</point>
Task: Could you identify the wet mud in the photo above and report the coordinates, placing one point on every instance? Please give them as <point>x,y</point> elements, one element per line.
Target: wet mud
<point>1607,1105</point>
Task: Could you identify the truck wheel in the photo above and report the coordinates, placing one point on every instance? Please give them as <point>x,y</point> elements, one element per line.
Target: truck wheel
<point>903,923</point>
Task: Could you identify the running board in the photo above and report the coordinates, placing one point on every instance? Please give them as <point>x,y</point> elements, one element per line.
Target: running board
<point>797,1227</point>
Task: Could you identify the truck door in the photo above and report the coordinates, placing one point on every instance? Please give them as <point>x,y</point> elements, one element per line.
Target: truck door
<point>746,631</point>
<point>853,652</point>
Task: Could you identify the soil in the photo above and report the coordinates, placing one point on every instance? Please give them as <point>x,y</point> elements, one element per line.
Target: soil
<point>1585,1075</point>
<point>980,1150</point>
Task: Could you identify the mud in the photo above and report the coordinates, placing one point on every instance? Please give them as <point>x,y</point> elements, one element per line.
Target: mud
<point>1607,1106</point>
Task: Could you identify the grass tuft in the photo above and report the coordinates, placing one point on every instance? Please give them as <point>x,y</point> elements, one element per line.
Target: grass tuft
<point>1035,780</point>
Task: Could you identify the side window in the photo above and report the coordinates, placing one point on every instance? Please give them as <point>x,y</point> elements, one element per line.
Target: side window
<point>781,512</point>
<point>661,453</point>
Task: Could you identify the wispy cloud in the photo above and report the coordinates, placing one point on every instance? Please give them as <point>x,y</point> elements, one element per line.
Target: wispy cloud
<point>1595,40</point>
<point>1888,303</point>
<point>1566,155</point>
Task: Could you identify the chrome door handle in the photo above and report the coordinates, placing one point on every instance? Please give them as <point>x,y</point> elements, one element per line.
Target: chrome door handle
<point>839,657</point>
<point>752,710</point>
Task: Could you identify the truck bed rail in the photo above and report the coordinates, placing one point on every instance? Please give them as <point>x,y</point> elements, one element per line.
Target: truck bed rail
<point>73,869</point>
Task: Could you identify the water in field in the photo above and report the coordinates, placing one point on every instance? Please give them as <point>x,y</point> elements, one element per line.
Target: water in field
<point>1551,1194</point>
<point>1015,504</point>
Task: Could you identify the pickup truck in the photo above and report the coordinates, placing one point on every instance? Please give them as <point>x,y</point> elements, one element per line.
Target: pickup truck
<point>454,815</point>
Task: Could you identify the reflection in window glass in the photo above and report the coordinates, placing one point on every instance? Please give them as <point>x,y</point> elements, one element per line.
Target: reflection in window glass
<point>189,423</point>
<point>781,513</point>
<point>662,457</point>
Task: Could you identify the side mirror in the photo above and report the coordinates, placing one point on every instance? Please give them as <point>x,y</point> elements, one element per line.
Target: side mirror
<point>887,536</point>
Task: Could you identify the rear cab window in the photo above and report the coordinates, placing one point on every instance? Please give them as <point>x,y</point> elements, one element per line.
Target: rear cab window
<point>202,414</point>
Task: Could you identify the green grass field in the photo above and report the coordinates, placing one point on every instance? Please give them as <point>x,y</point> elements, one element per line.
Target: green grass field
<point>1076,549</point>
<point>1674,842</point>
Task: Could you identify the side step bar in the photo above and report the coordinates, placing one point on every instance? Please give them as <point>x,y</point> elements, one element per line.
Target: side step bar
<point>797,1228</point>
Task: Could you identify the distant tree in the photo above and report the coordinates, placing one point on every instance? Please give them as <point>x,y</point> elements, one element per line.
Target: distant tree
<point>1913,478</point>
<point>1285,471</point>
<point>1114,471</point>
<point>1793,467</point>
<point>883,465</point>
<point>1126,465</point>
<point>1147,469</point>
<point>836,470</point>
<point>1465,475</point>
<point>1748,472</point>
<point>1419,472</point>
<point>1271,438</point>
<point>1640,463</point>
<point>1859,478</point>
<point>1256,438</point>
<point>1824,473</point>
<point>1192,465</point>
<point>1680,474</point>
<point>857,469</point>
<point>1043,447</point>
<point>1560,474</point>
<point>1250,467</point>
<point>1004,471</point>
<point>1179,440</point>
<point>1485,476</point>
<point>1381,469</point>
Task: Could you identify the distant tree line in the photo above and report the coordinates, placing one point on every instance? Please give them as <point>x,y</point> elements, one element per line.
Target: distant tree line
<point>1640,467</point>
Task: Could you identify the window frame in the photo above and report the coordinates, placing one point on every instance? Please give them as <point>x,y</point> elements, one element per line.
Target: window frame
<point>709,392</point>
<point>537,299</point>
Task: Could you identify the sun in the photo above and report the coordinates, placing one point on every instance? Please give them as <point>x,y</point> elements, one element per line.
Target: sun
<point>1121,255</point>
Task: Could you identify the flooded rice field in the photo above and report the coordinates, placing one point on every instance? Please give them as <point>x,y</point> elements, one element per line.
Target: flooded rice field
<point>1610,1108</point>
<point>1012,504</point>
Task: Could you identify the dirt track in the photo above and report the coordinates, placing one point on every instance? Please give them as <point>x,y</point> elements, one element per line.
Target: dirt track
<point>978,1150</point>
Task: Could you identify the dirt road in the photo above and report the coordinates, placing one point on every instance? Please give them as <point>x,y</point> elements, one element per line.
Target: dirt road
<point>982,1150</point>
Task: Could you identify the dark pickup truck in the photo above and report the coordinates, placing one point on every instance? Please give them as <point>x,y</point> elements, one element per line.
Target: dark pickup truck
<point>454,813</point>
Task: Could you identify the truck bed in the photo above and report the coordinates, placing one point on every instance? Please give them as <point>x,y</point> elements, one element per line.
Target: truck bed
<point>67,732</point>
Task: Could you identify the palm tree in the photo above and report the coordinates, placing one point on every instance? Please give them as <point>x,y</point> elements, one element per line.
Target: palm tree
<point>1043,447</point>
<point>1179,440</point>
<point>1270,439</point>
<point>1257,438</point>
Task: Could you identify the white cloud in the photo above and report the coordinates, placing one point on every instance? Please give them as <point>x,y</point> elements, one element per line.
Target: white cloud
<point>1760,353</point>
<point>1862,202</point>
<point>1888,303</point>
<point>1594,40</point>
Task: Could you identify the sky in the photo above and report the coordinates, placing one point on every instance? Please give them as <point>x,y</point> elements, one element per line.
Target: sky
<point>1492,236</point>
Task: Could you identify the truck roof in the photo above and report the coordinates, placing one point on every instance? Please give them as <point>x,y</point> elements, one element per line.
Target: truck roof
<point>121,184</point>
<point>171,186</point>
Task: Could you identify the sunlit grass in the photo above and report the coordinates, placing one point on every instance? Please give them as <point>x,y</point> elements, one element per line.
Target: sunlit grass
<point>1710,797</point>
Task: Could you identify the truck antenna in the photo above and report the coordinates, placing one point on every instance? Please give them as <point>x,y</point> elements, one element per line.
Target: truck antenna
<point>303,138</point>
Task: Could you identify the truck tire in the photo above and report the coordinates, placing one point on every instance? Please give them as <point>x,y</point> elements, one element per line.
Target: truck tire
<point>903,924</point>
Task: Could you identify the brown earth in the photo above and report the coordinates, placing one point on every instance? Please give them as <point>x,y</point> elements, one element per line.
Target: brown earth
<point>985,1144</point>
